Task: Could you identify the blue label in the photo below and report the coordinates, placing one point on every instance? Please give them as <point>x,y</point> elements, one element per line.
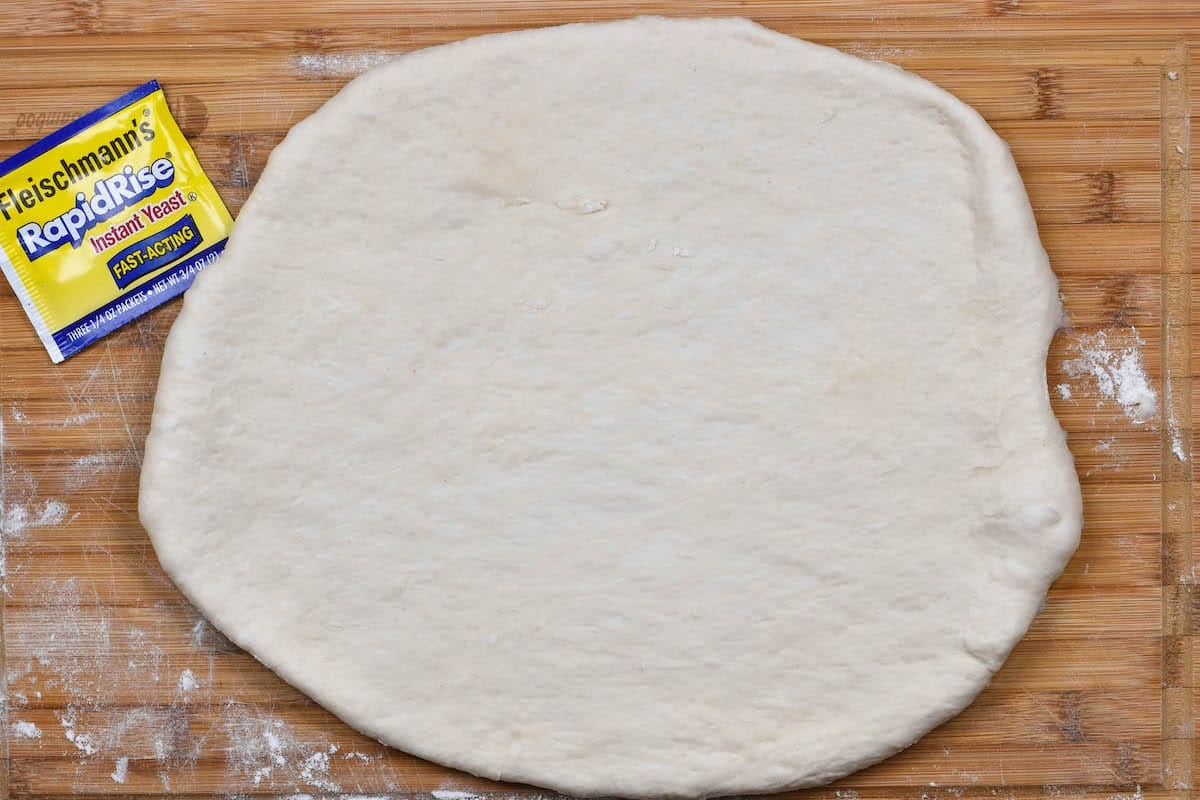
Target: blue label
<point>87,330</point>
<point>154,252</point>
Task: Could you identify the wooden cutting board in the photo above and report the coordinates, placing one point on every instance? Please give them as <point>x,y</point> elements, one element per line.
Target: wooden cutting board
<point>116,686</point>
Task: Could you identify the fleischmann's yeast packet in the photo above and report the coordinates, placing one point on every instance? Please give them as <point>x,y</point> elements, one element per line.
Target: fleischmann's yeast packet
<point>106,218</point>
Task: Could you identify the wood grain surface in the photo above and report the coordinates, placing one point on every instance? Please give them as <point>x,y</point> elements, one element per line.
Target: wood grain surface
<point>115,686</point>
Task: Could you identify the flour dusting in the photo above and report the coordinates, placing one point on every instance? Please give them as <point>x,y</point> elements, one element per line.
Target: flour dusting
<point>268,751</point>
<point>122,770</point>
<point>70,641</point>
<point>26,730</point>
<point>333,65</point>
<point>874,51</point>
<point>447,792</point>
<point>1118,374</point>
<point>187,681</point>
<point>88,467</point>
<point>1173,426</point>
<point>19,518</point>
<point>1064,391</point>
<point>22,419</point>
<point>315,771</point>
<point>84,742</point>
<point>196,635</point>
<point>79,419</point>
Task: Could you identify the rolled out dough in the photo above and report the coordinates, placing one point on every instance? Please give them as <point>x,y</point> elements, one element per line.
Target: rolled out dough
<point>648,408</point>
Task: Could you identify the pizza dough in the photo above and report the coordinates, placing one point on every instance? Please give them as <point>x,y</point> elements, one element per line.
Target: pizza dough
<point>649,408</point>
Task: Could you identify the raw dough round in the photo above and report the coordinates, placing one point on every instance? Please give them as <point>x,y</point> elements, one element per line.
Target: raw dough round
<point>646,408</point>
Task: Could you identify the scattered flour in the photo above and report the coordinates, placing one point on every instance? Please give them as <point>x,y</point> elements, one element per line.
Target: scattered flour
<point>873,51</point>
<point>19,518</point>
<point>79,419</point>
<point>1064,391</point>
<point>20,417</point>
<point>447,791</point>
<point>333,65</point>
<point>1177,442</point>
<point>88,467</point>
<point>122,770</point>
<point>71,642</point>
<point>196,635</point>
<point>84,742</point>
<point>26,730</point>
<point>1118,374</point>
<point>315,772</point>
<point>268,751</point>
<point>1173,426</point>
<point>187,681</point>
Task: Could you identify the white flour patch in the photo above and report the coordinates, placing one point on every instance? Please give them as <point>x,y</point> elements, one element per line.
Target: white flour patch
<point>79,419</point>
<point>26,730</point>
<point>111,737</point>
<point>122,770</point>
<point>88,467</point>
<point>1118,374</point>
<point>187,681</point>
<point>447,792</point>
<point>265,749</point>
<point>19,417</point>
<point>20,518</point>
<point>1064,391</point>
<point>268,751</point>
<point>144,656</point>
<point>315,772</point>
<point>17,519</point>
<point>196,635</point>
<point>84,742</point>
<point>878,52</point>
<point>1177,442</point>
<point>71,641</point>
<point>1173,426</point>
<point>332,65</point>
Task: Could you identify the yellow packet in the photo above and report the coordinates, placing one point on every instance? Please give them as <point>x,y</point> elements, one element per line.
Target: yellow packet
<point>106,218</point>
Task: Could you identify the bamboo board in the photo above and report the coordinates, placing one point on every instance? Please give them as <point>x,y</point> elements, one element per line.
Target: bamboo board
<point>114,685</point>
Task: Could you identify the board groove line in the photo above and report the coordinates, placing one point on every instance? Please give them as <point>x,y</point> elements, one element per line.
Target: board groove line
<point>1178,577</point>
